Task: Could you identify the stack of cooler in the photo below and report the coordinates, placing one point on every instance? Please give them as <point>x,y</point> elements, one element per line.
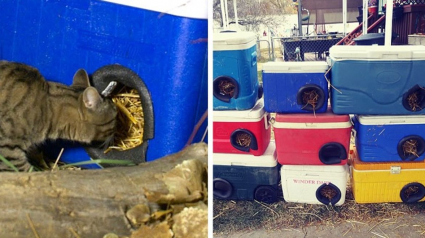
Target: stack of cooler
<point>311,141</point>
<point>383,87</point>
<point>244,162</point>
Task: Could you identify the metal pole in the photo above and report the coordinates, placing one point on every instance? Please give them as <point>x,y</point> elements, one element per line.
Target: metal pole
<point>389,23</point>
<point>300,21</point>
<point>365,16</point>
<point>226,13</point>
<point>344,15</point>
<point>272,48</point>
<point>223,14</point>
<point>236,13</point>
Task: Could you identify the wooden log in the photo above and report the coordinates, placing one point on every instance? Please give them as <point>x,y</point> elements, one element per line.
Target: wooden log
<point>92,203</point>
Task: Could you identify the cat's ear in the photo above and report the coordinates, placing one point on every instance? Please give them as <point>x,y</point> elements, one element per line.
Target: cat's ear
<point>81,79</point>
<point>91,97</point>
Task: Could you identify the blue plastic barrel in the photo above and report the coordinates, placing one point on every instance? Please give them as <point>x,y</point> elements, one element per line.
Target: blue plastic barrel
<point>163,41</point>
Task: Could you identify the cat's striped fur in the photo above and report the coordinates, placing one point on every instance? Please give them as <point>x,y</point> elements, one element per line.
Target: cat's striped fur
<point>33,110</point>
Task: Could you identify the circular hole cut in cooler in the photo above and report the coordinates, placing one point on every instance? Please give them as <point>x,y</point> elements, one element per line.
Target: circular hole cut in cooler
<point>328,194</point>
<point>243,140</point>
<point>222,188</point>
<point>266,194</point>
<point>225,88</point>
<point>414,99</point>
<point>126,80</point>
<point>332,153</point>
<point>411,147</point>
<point>412,192</point>
<point>310,97</point>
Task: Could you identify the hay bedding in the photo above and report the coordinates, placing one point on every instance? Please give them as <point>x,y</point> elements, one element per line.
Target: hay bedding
<point>310,98</point>
<point>130,120</point>
<point>328,192</point>
<point>410,147</point>
<point>226,88</point>
<point>243,139</point>
<point>413,101</point>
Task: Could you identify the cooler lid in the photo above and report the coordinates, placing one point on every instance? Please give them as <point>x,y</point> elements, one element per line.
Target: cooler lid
<point>393,167</point>
<point>268,159</point>
<point>312,121</point>
<point>329,169</point>
<point>192,9</point>
<point>391,120</point>
<point>254,114</point>
<point>377,52</point>
<point>233,40</point>
<point>295,67</point>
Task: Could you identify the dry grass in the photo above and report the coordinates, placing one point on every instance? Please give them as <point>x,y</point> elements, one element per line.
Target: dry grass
<point>237,216</point>
<point>130,120</point>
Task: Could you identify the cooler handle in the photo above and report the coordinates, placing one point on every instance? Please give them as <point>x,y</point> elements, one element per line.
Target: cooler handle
<point>254,58</point>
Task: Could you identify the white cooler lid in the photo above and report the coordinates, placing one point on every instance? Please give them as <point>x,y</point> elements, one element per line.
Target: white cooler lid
<point>390,120</point>
<point>252,115</point>
<point>192,9</point>
<point>295,67</point>
<point>268,159</point>
<point>233,40</point>
<point>377,52</point>
<point>328,169</point>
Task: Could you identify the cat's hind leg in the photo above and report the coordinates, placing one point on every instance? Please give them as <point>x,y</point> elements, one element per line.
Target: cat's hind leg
<point>16,156</point>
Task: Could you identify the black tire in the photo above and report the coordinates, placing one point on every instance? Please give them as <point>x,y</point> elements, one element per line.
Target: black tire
<point>125,76</point>
<point>412,192</point>
<point>420,148</point>
<point>216,88</point>
<point>311,87</point>
<point>326,200</point>
<point>420,99</point>
<point>253,145</point>
<point>332,153</point>
<point>222,188</point>
<point>266,194</point>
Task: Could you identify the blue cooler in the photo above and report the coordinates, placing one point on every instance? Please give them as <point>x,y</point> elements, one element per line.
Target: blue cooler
<point>235,79</point>
<point>294,87</point>
<point>164,42</point>
<point>378,80</point>
<point>390,138</point>
<point>246,177</point>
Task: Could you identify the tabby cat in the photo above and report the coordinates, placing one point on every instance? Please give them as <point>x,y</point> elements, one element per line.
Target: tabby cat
<point>33,110</point>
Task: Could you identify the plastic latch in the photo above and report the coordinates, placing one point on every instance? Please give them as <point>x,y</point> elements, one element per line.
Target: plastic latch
<point>395,169</point>
<point>267,120</point>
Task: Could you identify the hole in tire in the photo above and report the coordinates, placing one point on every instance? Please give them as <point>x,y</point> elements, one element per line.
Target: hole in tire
<point>243,139</point>
<point>414,99</point>
<point>225,88</point>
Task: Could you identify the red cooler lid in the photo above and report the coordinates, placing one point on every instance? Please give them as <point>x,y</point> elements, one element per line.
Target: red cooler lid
<point>327,119</point>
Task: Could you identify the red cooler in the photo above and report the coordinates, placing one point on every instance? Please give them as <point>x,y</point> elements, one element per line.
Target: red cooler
<point>308,139</point>
<point>242,132</point>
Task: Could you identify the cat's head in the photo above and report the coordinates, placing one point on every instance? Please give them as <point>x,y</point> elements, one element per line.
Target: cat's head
<point>98,113</point>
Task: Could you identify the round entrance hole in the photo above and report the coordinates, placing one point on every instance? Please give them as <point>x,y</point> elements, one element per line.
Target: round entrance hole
<point>129,81</point>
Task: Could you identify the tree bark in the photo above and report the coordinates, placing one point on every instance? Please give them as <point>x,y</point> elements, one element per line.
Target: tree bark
<point>92,203</point>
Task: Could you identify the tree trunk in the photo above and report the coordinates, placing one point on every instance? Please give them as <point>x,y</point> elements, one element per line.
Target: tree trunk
<point>92,203</point>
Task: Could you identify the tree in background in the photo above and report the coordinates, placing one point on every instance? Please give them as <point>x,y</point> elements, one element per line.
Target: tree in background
<point>253,14</point>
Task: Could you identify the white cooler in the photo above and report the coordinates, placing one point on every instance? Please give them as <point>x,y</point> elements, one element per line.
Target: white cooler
<point>314,184</point>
